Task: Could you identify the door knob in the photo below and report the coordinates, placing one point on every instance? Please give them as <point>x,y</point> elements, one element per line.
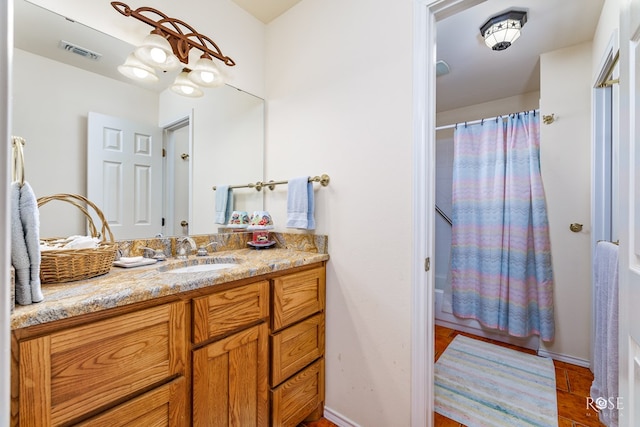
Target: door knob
<point>575,227</point>
<point>184,223</point>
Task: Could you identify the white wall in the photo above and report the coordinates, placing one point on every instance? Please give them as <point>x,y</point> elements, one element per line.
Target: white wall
<point>607,27</point>
<point>339,94</point>
<point>565,159</point>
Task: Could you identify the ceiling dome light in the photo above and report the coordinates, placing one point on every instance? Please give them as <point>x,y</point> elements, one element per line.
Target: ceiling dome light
<point>185,87</point>
<point>205,73</point>
<point>502,30</point>
<point>137,70</point>
<point>156,51</point>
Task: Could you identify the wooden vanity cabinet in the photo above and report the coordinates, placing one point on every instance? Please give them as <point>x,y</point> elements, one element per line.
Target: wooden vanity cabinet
<point>297,347</point>
<point>243,354</point>
<point>231,357</point>
<point>97,372</point>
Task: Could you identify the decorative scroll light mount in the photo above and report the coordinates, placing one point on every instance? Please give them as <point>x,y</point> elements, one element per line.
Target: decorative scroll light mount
<point>168,45</point>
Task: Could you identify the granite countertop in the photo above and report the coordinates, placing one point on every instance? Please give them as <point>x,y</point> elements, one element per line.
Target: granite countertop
<point>123,286</point>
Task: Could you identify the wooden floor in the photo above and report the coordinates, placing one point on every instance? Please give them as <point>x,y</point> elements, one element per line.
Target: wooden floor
<point>322,422</point>
<point>572,387</point>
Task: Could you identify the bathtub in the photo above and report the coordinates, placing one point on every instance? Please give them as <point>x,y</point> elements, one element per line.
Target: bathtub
<point>444,317</point>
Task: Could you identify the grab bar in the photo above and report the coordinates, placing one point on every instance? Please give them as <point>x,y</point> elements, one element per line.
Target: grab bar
<point>444,215</point>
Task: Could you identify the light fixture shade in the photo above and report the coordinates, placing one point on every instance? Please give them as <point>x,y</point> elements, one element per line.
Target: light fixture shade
<point>206,74</point>
<point>156,51</point>
<point>185,87</point>
<point>501,31</point>
<point>137,70</point>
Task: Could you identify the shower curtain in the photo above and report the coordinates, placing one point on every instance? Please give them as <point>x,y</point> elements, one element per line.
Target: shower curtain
<point>501,271</point>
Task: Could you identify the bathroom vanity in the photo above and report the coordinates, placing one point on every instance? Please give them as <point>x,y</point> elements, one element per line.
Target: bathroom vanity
<point>240,346</point>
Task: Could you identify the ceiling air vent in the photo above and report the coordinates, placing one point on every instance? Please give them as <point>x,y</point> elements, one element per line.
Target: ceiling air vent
<point>74,48</point>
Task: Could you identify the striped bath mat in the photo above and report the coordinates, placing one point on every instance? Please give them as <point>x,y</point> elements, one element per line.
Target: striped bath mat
<point>480,384</point>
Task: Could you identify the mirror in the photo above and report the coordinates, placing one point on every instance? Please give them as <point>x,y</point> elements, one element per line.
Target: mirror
<point>54,89</point>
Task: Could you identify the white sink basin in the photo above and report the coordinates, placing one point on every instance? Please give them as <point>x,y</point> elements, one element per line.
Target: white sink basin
<point>199,268</point>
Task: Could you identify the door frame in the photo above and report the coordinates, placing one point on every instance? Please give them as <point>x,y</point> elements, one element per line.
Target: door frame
<point>425,15</point>
<point>6,66</point>
<point>604,149</point>
<point>168,171</point>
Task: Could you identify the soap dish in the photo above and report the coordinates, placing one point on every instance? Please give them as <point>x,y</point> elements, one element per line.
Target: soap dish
<point>263,245</point>
<point>144,261</point>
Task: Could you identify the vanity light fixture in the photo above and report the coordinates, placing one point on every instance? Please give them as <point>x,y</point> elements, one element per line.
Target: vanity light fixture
<point>168,45</point>
<point>502,30</point>
<point>184,86</point>
<point>136,69</point>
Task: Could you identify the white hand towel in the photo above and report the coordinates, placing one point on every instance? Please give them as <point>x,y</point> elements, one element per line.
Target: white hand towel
<point>300,204</point>
<point>30,217</point>
<point>605,345</point>
<point>19,254</point>
<point>224,203</point>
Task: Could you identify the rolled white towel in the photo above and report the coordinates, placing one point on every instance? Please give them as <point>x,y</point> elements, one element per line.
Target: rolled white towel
<point>83,242</point>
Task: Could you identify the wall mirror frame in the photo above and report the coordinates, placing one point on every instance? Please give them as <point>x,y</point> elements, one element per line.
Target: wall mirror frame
<point>57,83</point>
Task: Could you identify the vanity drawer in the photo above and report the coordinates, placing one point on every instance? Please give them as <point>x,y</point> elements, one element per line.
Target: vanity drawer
<point>223,312</point>
<point>297,296</point>
<point>67,374</point>
<point>295,347</point>
<point>162,406</point>
<point>298,397</point>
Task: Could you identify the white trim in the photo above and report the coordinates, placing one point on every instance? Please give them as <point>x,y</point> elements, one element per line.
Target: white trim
<point>424,95</point>
<point>168,171</point>
<point>338,418</point>
<point>602,158</point>
<point>422,289</point>
<point>564,358</point>
<point>6,56</point>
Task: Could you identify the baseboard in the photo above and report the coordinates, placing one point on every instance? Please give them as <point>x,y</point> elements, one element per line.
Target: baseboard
<point>564,358</point>
<point>338,418</point>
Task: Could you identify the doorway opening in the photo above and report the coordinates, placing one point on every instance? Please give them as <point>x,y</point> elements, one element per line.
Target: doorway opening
<point>177,173</point>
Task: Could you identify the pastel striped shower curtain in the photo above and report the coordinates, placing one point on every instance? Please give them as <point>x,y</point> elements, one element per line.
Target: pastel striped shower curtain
<point>501,272</point>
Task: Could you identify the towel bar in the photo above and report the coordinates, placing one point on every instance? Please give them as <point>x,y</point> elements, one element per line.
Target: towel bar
<point>322,179</point>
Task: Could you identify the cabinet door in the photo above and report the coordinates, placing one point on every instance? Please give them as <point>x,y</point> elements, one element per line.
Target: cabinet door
<point>230,381</point>
<point>162,406</point>
<point>297,296</point>
<point>67,374</point>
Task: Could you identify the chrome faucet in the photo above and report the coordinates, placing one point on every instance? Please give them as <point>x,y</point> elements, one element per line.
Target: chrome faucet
<point>153,253</point>
<point>182,252</point>
<point>202,250</point>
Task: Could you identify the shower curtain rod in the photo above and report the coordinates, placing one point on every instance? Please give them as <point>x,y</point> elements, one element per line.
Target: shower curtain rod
<point>474,122</point>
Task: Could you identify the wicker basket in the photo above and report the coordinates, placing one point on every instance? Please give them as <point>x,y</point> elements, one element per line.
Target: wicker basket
<point>68,265</point>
